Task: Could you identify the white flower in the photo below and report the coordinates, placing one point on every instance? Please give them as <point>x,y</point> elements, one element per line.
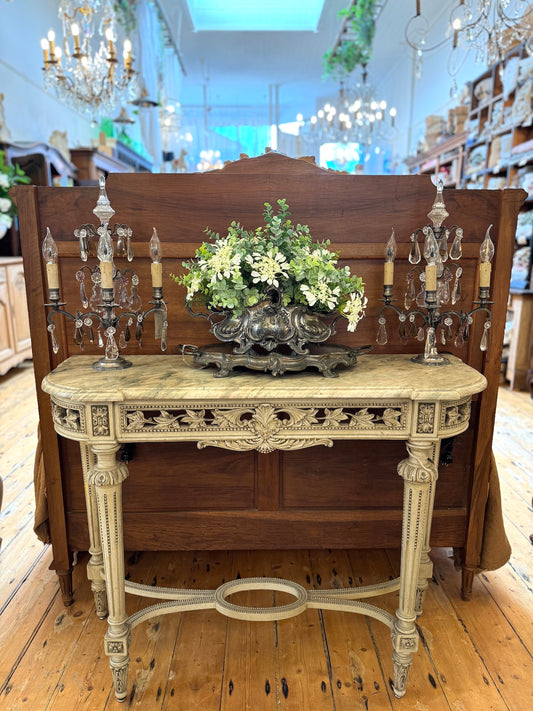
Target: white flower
<point>4,181</point>
<point>193,287</point>
<point>6,220</point>
<point>5,204</point>
<point>322,293</point>
<point>266,267</point>
<point>354,310</point>
<point>223,262</point>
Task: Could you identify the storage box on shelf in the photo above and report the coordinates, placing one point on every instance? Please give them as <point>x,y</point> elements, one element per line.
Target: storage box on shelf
<point>444,160</point>
<point>499,139</point>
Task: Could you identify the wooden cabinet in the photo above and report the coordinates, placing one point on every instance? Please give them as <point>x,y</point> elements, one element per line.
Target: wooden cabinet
<point>92,163</point>
<point>15,342</point>
<point>216,499</point>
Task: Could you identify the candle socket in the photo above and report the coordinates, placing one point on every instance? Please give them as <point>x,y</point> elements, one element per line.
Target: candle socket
<point>157,293</point>
<point>484,294</point>
<point>431,298</point>
<point>53,295</point>
<point>108,294</point>
<point>387,293</point>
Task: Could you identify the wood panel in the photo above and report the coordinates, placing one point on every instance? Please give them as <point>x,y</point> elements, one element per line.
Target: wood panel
<point>308,492</point>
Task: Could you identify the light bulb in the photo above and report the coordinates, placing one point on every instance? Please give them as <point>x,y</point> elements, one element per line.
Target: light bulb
<point>59,53</point>
<point>155,247</point>
<point>105,247</point>
<point>392,112</point>
<point>51,36</point>
<point>110,37</point>
<point>486,252</point>
<point>383,105</point>
<point>45,46</point>
<point>431,246</point>
<point>49,248</point>
<point>299,117</point>
<point>75,29</point>
<point>391,249</point>
<point>127,48</point>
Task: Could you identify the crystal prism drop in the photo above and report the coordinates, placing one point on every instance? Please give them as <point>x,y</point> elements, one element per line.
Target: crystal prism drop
<point>122,340</point>
<point>448,335</point>
<point>403,332</point>
<point>139,330</point>
<point>158,323</point>
<point>456,252</point>
<point>412,328</point>
<point>55,345</point>
<point>80,276</point>
<point>100,340</point>
<point>459,339</point>
<point>123,298</point>
<point>442,336</point>
<point>135,299</point>
<point>129,250</point>
<point>414,254</point>
<point>484,343</point>
<point>456,293</point>
<point>111,350</point>
<point>127,333</point>
<point>430,345</point>
<point>445,292</point>
<point>420,334</point>
<point>421,297</point>
<point>164,335</point>
<point>381,337</point>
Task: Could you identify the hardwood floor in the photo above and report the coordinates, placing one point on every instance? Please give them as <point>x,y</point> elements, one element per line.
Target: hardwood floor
<point>473,655</point>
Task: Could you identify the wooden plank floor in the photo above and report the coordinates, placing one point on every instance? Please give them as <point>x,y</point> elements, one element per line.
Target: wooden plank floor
<point>474,655</point>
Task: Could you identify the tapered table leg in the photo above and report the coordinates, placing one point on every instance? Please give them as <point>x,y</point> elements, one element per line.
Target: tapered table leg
<point>107,475</point>
<point>419,474</point>
<point>95,566</point>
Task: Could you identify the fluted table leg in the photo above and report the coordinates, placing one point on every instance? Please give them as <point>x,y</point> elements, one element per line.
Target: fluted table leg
<point>419,474</point>
<point>95,566</point>
<point>107,475</point>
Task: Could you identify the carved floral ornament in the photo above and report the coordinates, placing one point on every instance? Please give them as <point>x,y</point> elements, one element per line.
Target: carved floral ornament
<point>68,418</point>
<point>265,427</point>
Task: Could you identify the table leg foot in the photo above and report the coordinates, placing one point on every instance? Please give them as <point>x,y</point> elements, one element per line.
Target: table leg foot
<point>401,670</point>
<point>100,600</point>
<point>120,678</point>
<point>117,649</point>
<point>65,585</point>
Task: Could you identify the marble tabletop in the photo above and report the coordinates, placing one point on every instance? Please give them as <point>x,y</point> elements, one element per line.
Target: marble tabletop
<point>168,377</point>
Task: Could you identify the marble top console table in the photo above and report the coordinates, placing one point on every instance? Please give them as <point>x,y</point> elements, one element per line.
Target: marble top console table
<point>161,399</point>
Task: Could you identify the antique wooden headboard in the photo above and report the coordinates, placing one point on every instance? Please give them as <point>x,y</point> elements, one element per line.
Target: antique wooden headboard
<point>220,499</point>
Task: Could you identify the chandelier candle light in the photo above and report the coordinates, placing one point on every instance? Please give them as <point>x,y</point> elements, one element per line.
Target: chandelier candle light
<point>109,288</point>
<point>90,77</point>
<point>433,291</point>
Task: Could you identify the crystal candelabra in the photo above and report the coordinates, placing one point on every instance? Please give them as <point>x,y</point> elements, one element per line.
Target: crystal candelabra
<point>113,309</point>
<point>430,322</point>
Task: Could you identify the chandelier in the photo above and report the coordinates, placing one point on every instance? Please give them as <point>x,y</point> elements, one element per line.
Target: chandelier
<point>491,28</point>
<point>85,71</point>
<point>355,116</point>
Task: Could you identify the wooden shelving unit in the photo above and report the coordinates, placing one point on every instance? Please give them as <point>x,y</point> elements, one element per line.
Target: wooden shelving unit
<point>442,161</point>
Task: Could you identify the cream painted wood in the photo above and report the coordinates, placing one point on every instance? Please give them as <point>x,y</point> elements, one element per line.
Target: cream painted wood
<point>161,399</point>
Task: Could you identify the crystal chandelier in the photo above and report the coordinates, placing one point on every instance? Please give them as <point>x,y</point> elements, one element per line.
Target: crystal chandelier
<point>356,116</point>
<point>491,28</point>
<point>86,72</point>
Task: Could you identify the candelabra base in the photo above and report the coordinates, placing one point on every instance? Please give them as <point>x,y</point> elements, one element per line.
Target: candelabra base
<point>431,359</point>
<point>106,364</point>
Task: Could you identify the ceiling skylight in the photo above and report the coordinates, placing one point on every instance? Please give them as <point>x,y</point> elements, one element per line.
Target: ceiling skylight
<point>255,15</point>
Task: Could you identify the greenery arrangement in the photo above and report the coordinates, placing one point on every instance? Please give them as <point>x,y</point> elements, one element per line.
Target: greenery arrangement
<point>357,50</point>
<point>9,175</point>
<point>237,271</point>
